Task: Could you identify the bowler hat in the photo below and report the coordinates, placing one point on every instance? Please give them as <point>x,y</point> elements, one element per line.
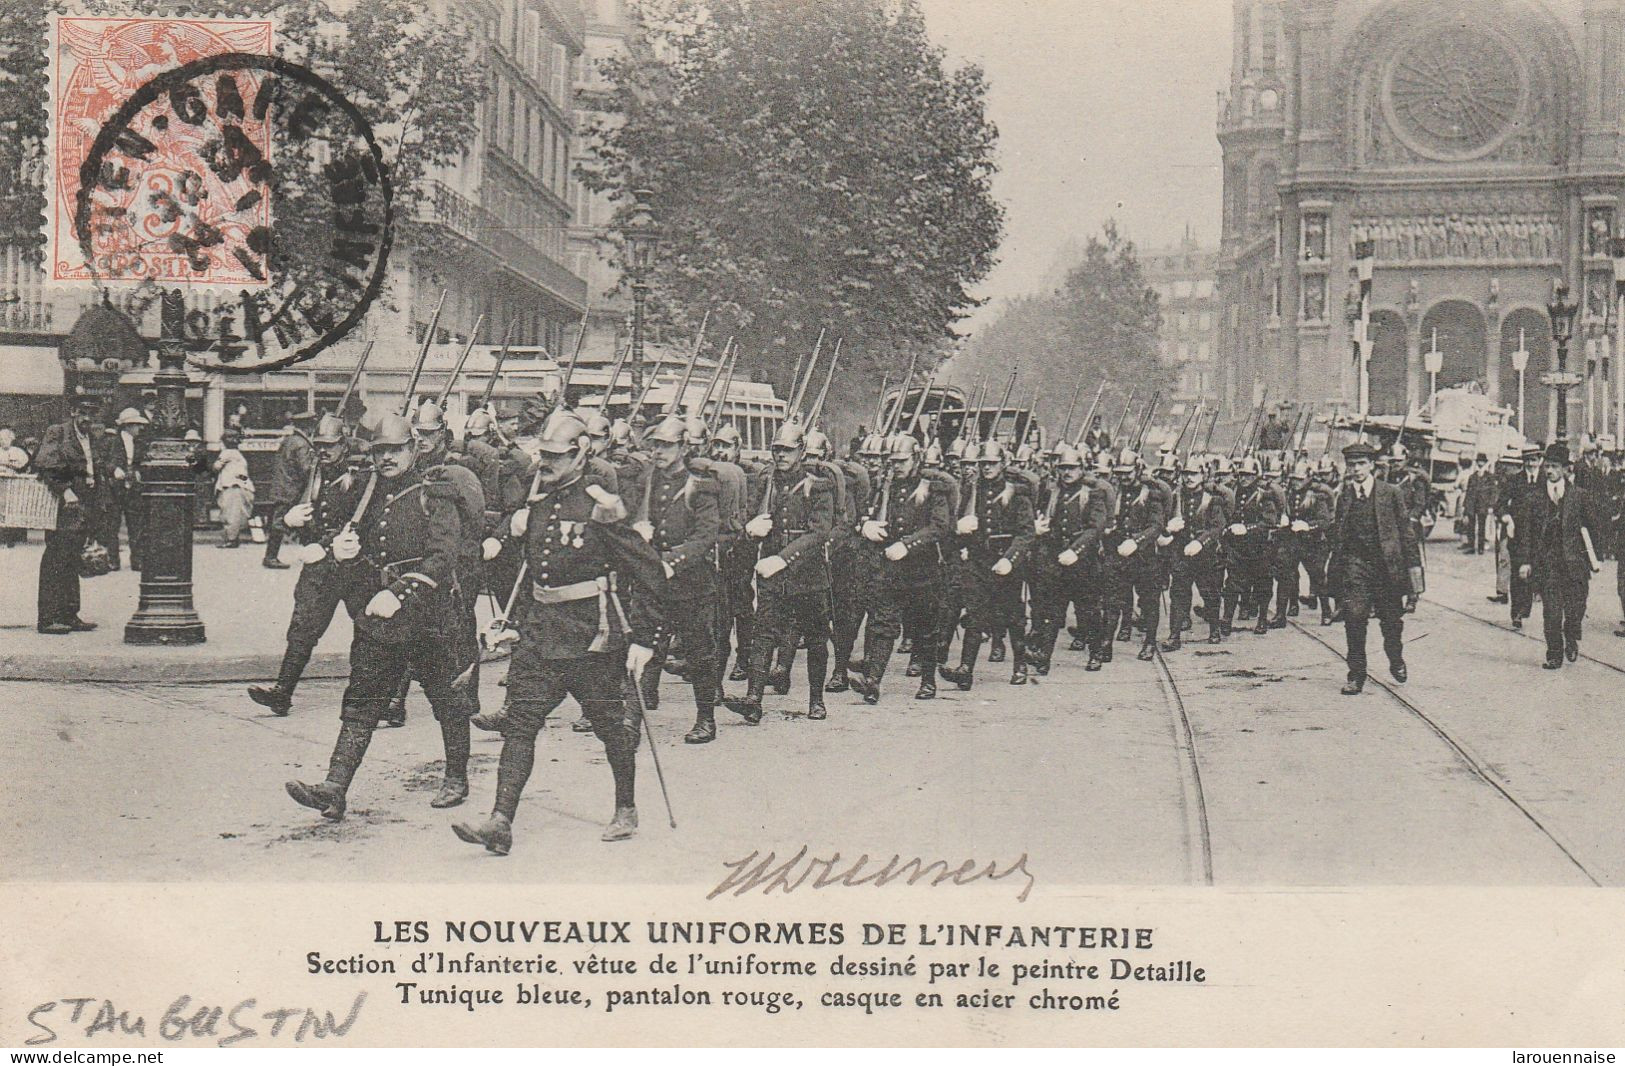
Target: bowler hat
<point>1557,452</point>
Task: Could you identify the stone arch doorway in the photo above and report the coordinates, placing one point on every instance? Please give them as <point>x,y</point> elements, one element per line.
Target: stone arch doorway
<point>1537,338</point>
<point>1461,338</point>
<point>1387,367</point>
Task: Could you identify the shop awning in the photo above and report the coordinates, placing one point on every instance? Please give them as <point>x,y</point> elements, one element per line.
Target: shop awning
<point>26,370</point>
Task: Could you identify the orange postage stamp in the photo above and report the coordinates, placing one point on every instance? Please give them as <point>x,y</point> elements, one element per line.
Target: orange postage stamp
<point>174,206</point>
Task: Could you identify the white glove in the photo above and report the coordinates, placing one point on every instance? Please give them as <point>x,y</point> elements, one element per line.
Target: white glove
<point>1128,547</point>
<point>1193,548</point>
<point>1176,523</point>
<point>874,531</point>
<point>519,522</point>
<point>1282,521</point>
<point>1512,533</point>
<point>1523,572</point>
<point>896,551</point>
<point>347,545</point>
<point>384,604</point>
<point>1067,558</point>
<point>770,566</point>
<point>1300,526</point>
<point>490,548</point>
<point>1238,529</point>
<point>667,567</point>
<point>310,553</point>
<point>968,524</point>
<point>69,496</point>
<point>1164,540</point>
<point>646,530</point>
<point>1003,567</point>
<point>760,526</point>
<point>1041,525</point>
<point>298,515</point>
<point>638,657</point>
<point>118,475</point>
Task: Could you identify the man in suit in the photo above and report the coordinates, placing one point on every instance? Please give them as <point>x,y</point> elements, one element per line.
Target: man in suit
<point>1566,526</point>
<point>1476,503</point>
<point>122,454</point>
<point>1374,555</point>
<point>1517,525</point>
<point>66,461</point>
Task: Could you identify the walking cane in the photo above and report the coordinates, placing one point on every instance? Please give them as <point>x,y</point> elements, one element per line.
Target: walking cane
<point>648,731</point>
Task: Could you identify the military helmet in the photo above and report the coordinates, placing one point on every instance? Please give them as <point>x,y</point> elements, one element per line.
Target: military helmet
<point>669,430</point>
<point>392,431</point>
<point>1247,464</point>
<point>428,417</point>
<point>1273,466</point>
<point>1325,465</point>
<point>791,434</point>
<point>563,433</point>
<point>330,430</point>
<point>1103,462</point>
<point>479,423</point>
<point>727,433</point>
<point>1221,465</point>
<point>594,419</point>
<point>956,449</point>
<point>902,446</point>
<point>817,444</point>
<point>695,431</point>
<point>1301,470</point>
<point>1398,452</point>
<point>131,417</point>
<point>990,451</point>
<point>873,446</point>
<point>1127,460</point>
<point>1167,462</point>
<point>620,432</point>
<point>1025,453</point>
<point>1067,455</point>
<point>933,453</point>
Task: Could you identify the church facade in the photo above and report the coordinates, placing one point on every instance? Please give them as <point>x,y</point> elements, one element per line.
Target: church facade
<point>1477,145</point>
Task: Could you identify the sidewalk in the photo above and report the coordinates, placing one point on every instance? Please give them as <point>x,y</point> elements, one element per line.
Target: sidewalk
<point>244,607</point>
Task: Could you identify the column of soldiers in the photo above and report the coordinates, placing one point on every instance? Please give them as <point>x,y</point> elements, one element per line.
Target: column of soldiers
<point>614,552</point>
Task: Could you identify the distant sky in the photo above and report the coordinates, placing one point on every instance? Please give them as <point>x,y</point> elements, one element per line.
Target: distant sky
<point>1105,108</point>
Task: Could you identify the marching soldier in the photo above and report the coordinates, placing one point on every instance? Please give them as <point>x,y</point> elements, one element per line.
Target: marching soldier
<point>1067,559</point>
<point>1257,514</point>
<point>997,532</point>
<point>1194,532</point>
<point>402,555</point>
<point>855,565</point>
<point>681,518</point>
<point>792,573</point>
<point>294,458</point>
<point>1374,555</point>
<point>1112,570</point>
<point>1142,517</point>
<point>1567,524</point>
<point>912,519</point>
<point>577,637</point>
<point>320,587</point>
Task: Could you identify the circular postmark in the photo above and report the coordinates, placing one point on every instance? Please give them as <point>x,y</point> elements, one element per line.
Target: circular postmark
<point>252,179</point>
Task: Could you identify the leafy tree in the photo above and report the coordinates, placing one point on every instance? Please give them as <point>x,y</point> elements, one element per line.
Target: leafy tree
<point>1100,325</point>
<point>811,165</point>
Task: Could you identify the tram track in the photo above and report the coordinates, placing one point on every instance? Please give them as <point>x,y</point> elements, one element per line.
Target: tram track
<point>1521,634</point>
<point>1193,797</point>
<point>1466,757</point>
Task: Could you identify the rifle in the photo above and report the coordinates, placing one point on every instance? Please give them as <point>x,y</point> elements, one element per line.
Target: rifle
<point>1122,420</point>
<point>1213,423</point>
<point>1190,420</point>
<point>818,404</point>
<point>423,355</point>
<point>575,357</point>
<point>913,423</point>
<point>722,400</point>
<point>801,382</point>
<point>1145,420</point>
<point>349,390</point>
<point>1004,402</point>
<point>1083,428</point>
<point>648,386</point>
<point>1303,434</point>
<point>1258,425</point>
<point>1330,423</point>
<point>496,371</point>
<point>675,404</point>
<point>716,376</point>
<point>970,427</point>
<point>1071,409</point>
<point>880,404</point>
<point>451,380</point>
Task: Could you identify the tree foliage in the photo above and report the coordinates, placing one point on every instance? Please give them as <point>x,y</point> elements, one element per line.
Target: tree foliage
<point>1101,325</point>
<point>812,165</point>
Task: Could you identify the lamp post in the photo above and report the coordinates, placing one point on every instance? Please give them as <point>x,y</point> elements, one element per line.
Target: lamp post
<point>642,236</point>
<point>1520,363</point>
<point>165,614</point>
<point>1433,359</point>
<point>1562,311</point>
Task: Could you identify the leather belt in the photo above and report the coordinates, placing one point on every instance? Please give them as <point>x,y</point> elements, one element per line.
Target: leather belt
<point>601,587</point>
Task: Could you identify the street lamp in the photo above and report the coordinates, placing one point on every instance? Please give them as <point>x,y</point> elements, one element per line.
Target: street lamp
<point>642,236</point>
<point>1433,359</point>
<point>1562,311</point>
<point>165,614</point>
<point>1520,363</point>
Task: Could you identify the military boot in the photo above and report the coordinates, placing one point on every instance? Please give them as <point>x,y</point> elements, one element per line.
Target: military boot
<point>705,728</point>
<point>453,791</point>
<point>995,654</point>
<point>624,826</point>
<point>749,708</point>
<point>1215,633</point>
<point>964,675</point>
<point>839,680</point>
<point>1327,616</point>
<point>1173,643</point>
<point>395,716</point>
<point>274,697</point>
<point>496,834</point>
<point>1018,660</point>
<point>325,797</point>
<point>928,680</point>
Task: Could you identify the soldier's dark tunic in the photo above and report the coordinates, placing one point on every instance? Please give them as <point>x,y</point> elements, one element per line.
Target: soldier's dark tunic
<point>1205,517</point>
<point>684,511</point>
<point>1076,526</point>
<point>320,587</point>
<point>910,588</point>
<point>795,601</point>
<point>1004,520</point>
<point>594,586</point>
<point>854,563</point>
<point>738,558</point>
<point>1250,580</point>
<point>732,494</point>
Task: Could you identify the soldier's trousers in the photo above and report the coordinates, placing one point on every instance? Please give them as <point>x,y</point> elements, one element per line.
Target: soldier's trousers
<point>693,624</point>
<point>856,589</point>
<point>906,600</point>
<point>1284,563</point>
<point>1315,554</point>
<point>1562,609</point>
<point>992,605</point>
<point>1367,590</point>
<point>952,605</point>
<point>1148,580</point>
<point>1248,580</point>
<point>538,685</point>
<point>376,667</point>
<point>739,603</point>
<point>1204,576</point>
<point>316,597</point>
<point>783,617</point>
<point>1054,589</point>
<point>1114,579</point>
